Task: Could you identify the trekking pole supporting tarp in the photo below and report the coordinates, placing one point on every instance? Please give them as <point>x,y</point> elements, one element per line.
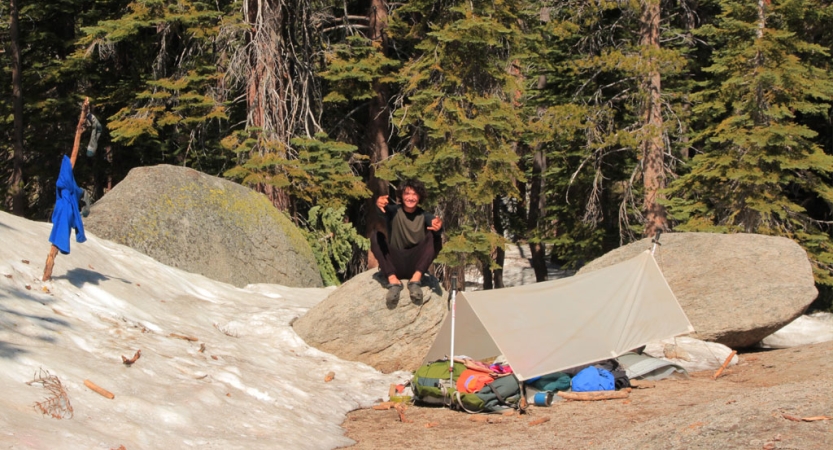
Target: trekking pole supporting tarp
<point>655,240</point>
<point>453,314</point>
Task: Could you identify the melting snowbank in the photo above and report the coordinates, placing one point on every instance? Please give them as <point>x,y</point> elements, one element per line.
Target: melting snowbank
<point>220,367</point>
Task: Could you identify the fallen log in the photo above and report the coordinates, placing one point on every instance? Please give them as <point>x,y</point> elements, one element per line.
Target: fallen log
<point>594,395</point>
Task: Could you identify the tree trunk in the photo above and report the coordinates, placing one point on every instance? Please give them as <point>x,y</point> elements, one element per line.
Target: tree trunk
<point>488,282</point>
<point>377,126</point>
<point>16,183</point>
<point>497,274</point>
<point>653,175</point>
<point>460,274</point>
<point>255,101</point>
<point>500,254</point>
<point>761,18</point>
<point>263,84</point>
<point>536,210</point>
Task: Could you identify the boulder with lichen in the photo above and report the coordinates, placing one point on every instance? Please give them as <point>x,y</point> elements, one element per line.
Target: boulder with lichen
<point>204,224</point>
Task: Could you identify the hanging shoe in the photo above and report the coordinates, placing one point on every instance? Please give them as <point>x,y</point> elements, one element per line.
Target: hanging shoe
<point>392,297</point>
<point>86,200</point>
<point>415,290</point>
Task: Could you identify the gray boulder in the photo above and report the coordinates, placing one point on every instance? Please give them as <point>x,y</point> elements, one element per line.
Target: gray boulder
<point>356,324</point>
<point>206,225</point>
<point>735,288</point>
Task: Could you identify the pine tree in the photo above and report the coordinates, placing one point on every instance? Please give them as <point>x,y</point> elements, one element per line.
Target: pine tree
<point>458,115</point>
<point>50,100</point>
<point>16,182</point>
<point>333,241</point>
<point>171,57</point>
<point>760,167</point>
<point>276,63</point>
<point>357,76</point>
<point>599,119</point>
<point>318,174</point>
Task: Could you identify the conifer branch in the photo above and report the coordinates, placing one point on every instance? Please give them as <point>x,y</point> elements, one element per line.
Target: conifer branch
<point>347,25</point>
<point>57,404</point>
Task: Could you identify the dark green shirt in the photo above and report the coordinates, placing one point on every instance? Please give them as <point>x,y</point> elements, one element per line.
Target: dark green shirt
<point>406,230</point>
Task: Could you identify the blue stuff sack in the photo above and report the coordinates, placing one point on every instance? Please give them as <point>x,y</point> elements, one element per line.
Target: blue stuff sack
<point>593,379</point>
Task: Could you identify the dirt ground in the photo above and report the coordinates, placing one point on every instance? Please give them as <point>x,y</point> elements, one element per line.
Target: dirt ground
<point>775,399</point>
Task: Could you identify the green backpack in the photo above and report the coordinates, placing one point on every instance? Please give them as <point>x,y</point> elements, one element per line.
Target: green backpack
<point>434,385</point>
<point>501,394</point>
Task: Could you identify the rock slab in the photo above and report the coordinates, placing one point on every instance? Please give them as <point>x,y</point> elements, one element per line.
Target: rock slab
<point>735,288</point>
<point>206,225</point>
<point>355,323</point>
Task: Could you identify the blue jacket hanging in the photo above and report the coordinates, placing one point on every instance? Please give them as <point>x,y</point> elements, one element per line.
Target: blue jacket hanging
<point>65,216</point>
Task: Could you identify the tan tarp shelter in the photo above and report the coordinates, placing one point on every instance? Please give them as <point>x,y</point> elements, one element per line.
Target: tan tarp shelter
<point>555,325</point>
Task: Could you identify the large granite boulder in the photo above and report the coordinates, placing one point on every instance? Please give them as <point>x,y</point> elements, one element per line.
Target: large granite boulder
<point>735,288</point>
<point>206,225</point>
<point>356,324</point>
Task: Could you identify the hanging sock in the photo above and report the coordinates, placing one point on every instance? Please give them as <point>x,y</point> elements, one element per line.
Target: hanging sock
<point>97,128</point>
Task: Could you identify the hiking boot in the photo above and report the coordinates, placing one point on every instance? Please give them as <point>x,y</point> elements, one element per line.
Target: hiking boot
<point>415,291</point>
<point>392,297</point>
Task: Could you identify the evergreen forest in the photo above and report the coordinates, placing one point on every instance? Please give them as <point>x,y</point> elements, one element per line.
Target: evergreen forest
<point>570,127</point>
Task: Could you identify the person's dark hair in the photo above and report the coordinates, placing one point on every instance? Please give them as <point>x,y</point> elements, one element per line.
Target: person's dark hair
<point>414,184</point>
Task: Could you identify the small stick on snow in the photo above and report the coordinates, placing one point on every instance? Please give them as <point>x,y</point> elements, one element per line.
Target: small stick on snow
<point>130,361</point>
<point>182,336</point>
<point>98,389</point>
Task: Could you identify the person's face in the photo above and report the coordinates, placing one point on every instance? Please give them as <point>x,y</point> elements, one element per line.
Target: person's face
<point>410,199</point>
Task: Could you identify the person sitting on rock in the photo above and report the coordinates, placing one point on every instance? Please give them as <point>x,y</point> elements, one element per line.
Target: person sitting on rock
<point>414,239</point>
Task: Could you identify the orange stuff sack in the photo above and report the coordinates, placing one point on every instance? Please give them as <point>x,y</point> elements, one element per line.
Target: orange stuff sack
<point>471,381</point>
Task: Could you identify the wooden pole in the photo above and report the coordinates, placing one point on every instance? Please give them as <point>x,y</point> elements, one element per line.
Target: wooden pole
<point>85,109</point>
<point>53,252</point>
<point>50,262</point>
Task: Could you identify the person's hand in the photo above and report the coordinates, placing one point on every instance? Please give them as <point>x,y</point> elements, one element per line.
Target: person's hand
<point>381,202</point>
<point>436,224</point>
